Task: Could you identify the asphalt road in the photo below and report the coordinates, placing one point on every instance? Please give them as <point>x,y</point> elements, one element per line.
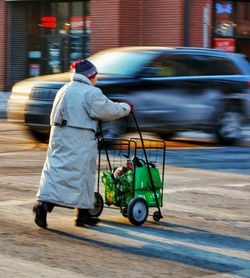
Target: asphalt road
<point>205,231</point>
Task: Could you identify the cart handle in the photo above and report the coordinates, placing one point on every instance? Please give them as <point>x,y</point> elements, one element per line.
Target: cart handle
<point>106,151</point>
<point>146,158</point>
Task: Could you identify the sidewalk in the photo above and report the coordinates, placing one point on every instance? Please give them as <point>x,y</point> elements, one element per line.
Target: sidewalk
<point>4,96</point>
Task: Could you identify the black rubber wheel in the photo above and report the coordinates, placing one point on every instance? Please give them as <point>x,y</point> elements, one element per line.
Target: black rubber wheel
<point>156,216</point>
<point>99,204</point>
<point>137,211</point>
<point>41,137</point>
<point>229,130</point>
<point>167,135</point>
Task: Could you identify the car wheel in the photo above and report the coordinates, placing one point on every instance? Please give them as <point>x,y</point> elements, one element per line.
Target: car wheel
<point>229,128</point>
<point>41,137</point>
<point>167,135</point>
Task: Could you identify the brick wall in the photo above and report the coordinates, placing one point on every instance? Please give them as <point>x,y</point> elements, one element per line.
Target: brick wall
<point>3,39</point>
<point>196,22</point>
<point>129,22</point>
<point>163,22</point>
<point>105,24</point>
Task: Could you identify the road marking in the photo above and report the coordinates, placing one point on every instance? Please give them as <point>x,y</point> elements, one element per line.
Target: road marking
<point>237,185</point>
<point>174,190</point>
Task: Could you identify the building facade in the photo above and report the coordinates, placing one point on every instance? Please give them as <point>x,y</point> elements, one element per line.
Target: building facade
<point>43,37</point>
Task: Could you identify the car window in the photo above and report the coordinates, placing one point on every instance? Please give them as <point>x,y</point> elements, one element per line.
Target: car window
<point>121,63</point>
<point>243,63</point>
<point>191,65</point>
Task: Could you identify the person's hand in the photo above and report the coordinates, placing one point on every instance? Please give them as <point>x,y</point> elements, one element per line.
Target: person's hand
<point>132,108</point>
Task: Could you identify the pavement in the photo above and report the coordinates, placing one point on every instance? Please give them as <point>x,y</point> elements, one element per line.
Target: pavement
<point>4,96</point>
<point>204,232</point>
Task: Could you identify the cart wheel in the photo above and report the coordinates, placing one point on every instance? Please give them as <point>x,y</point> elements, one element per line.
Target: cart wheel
<point>137,211</point>
<point>99,204</point>
<point>156,216</point>
<point>125,212</point>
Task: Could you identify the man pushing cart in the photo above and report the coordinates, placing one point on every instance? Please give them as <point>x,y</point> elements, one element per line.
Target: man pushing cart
<point>68,176</point>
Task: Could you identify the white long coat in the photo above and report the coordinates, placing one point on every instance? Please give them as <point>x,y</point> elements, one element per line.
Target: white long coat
<point>68,175</point>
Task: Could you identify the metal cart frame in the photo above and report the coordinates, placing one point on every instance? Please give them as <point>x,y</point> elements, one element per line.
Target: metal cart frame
<point>137,209</point>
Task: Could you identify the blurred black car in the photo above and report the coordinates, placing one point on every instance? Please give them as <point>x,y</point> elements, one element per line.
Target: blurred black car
<point>172,89</point>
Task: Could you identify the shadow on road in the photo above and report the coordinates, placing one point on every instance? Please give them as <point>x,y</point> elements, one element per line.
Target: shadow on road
<point>178,243</point>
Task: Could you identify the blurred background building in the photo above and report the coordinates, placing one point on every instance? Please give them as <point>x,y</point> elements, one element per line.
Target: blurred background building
<point>43,37</point>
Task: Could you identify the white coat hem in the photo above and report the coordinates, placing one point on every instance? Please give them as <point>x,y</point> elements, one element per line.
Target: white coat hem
<point>64,204</point>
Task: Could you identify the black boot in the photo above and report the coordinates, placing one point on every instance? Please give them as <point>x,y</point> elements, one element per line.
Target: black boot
<point>40,210</point>
<point>83,217</point>
<point>49,206</point>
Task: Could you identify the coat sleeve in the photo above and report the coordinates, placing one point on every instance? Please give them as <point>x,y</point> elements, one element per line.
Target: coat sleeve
<point>101,108</point>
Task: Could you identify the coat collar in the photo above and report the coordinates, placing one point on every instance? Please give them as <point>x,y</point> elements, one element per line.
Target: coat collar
<point>80,78</point>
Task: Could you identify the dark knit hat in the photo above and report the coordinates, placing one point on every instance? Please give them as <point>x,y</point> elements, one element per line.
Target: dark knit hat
<point>85,68</point>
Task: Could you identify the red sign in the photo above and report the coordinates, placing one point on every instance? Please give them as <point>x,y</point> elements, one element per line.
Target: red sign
<point>48,21</point>
<point>77,22</point>
<point>225,44</point>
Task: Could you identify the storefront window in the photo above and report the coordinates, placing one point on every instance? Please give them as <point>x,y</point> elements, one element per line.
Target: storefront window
<point>224,26</point>
<point>58,34</point>
<point>232,26</point>
<point>243,22</point>
<point>34,47</point>
<point>76,32</point>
